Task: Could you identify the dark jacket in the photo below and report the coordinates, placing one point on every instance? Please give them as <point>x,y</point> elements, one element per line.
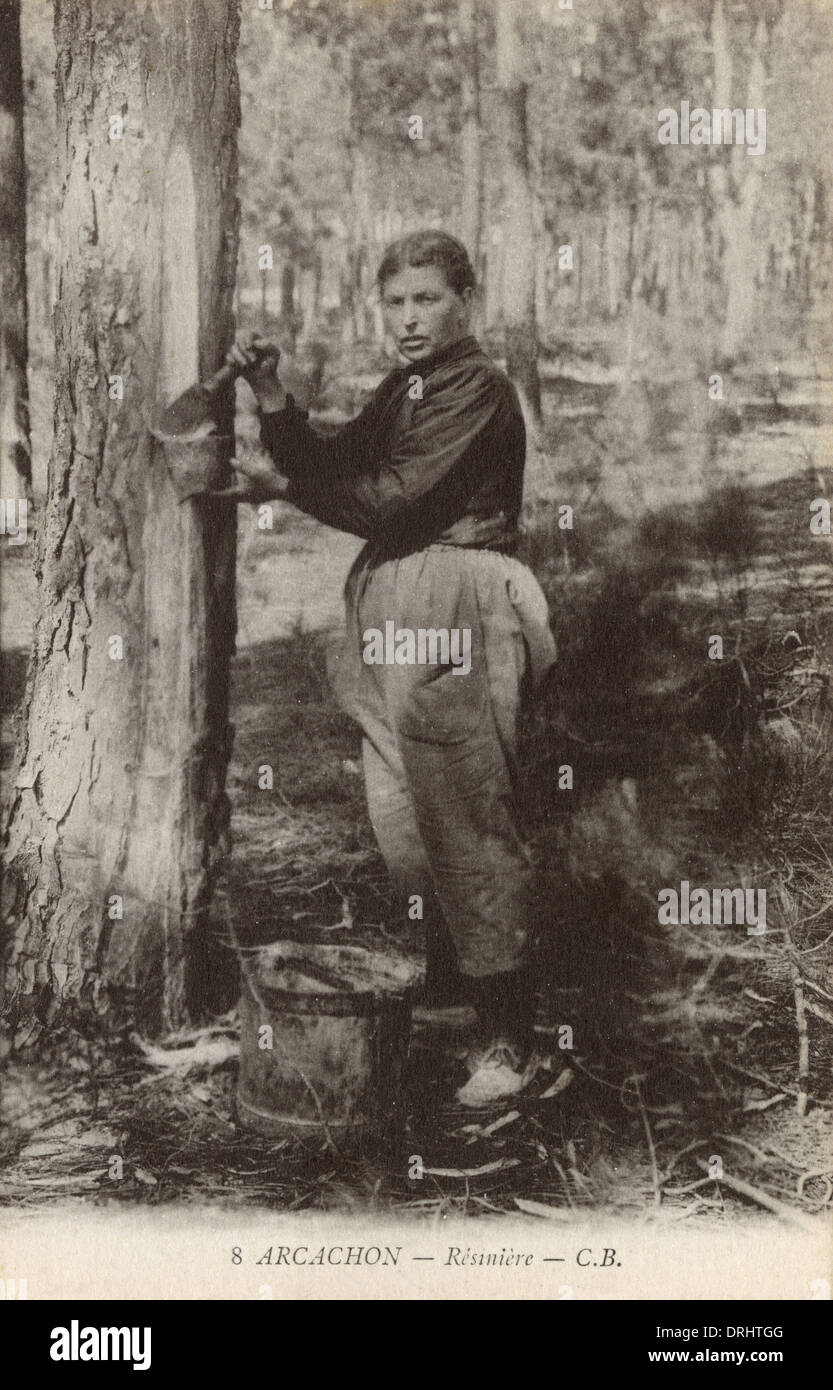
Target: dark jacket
<point>406,473</point>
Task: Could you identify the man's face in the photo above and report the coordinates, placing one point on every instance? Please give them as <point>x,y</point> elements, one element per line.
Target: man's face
<point>422,312</point>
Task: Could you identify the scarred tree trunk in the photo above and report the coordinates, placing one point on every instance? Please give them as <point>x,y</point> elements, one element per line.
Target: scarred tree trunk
<point>15,452</point>
<point>519,319</point>
<point>119,806</point>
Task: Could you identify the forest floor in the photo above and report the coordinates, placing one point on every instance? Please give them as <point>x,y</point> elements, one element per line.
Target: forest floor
<point>698,1087</point>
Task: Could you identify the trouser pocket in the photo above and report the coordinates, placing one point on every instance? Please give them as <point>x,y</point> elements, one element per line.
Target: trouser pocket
<point>443,704</point>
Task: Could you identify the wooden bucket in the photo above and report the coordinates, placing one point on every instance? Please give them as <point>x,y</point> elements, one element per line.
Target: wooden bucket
<point>338,1019</point>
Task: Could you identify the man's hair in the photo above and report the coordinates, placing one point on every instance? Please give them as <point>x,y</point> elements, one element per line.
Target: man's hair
<point>429,248</point>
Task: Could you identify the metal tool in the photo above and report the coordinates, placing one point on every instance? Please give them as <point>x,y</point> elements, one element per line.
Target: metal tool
<point>190,416</point>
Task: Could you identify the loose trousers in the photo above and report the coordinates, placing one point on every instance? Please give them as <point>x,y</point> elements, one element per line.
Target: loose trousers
<point>440,746</point>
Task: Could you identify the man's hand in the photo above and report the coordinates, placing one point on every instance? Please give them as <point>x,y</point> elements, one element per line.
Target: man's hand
<point>256,360</point>
<point>257,481</point>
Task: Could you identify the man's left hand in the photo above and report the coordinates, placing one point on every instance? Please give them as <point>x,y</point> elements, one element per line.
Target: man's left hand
<point>256,481</point>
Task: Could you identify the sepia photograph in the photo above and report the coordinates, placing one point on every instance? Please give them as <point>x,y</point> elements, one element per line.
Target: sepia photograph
<point>417,599</point>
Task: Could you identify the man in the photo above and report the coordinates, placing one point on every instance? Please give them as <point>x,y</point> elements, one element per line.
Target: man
<point>430,474</point>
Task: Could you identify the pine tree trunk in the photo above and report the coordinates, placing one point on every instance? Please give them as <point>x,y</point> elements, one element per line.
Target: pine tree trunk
<point>735,181</point>
<point>289,324</point>
<point>119,806</point>
<point>264,302</point>
<point>519,320</point>
<point>471,144</point>
<point>353,326</point>
<point>15,450</point>
<point>749,172</point>
<point>360,237</point>
<point>310,291</point>
<point>611,261</point>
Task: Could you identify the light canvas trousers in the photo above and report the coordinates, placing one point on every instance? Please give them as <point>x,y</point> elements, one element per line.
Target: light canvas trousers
<point>440,748</point>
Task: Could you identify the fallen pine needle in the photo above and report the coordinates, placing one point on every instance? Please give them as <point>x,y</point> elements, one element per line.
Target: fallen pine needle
<point>542,1209</point>
<point>507,1119</point>
<point>495,1167</point>
<point>763,1199</point>
<point>765,1104</point>
<point>562,1081</point>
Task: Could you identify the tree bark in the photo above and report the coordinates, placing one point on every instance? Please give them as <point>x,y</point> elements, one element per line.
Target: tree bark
<point>519,319</point>
<point>120,803</point>
<point>15,447</point>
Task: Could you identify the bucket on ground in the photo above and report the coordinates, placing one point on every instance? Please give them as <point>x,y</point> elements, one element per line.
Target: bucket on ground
<point>324,1036</point>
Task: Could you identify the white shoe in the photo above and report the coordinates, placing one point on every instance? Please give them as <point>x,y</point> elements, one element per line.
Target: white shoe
<point>496,1073</point>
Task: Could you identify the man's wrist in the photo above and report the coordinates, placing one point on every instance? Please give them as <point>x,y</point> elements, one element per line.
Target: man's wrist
<point>270,402</point>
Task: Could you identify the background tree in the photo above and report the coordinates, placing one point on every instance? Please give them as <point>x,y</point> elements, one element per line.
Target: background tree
<point>735,180</point>
<point>291,176</point>
<point>353,75</point>
<point>15,446</point>
<point>519,325</point>
<point>471,141</point>
<point>119,806</point>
